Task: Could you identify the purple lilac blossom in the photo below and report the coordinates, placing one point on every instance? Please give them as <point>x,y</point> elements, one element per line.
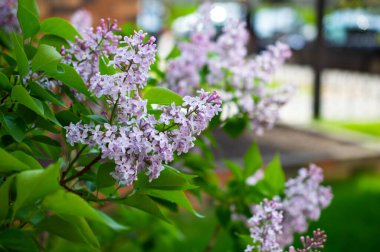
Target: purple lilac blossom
<point>304,199</point>
<point>229,65</point>
<point>8,16</point>
<point>265,226</point>
<point>136,140</point>
<point>81,20</point>
<point>85,53</point>
<point>311,243</point>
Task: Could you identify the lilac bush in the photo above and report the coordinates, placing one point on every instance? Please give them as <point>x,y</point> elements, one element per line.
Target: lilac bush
<point>242,81</point>
<point>134,139</point>
<point>89,138</point>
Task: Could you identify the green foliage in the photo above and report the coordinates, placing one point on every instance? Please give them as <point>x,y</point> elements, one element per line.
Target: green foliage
<point>104,68</point>
<point>45,94</point>
<point>17,240</point>
<point>74,229</point>
<point>252,160</point>
<point>143,202</point>
<point>59,27</point>
<point>9,163</point>
<point>69,77</point>
<point>32,185</point>
<point>4,82</point>
<point>235,126</point>
<point>55,41</point>
<point>170,179</point>
<point>162,96</point>
<point>14,126</point>
<point>19,54</point>
<point>103,177</point>
<point>21,95</point>
<point>176,197</point>
<point>28,16</point>
<point>46,59</point>
<point>275,176</point>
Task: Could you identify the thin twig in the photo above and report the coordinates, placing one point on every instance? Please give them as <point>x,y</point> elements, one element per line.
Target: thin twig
<point>73,162</point>
<point>213,238</point>
<point>83,171</point>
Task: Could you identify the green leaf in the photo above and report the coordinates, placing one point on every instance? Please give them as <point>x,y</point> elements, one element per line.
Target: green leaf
<point>49,114</point>
<point>10,164</point>
<point>75,229</point>
<point>235,169</point>
<point>128,29</point>
<point>235,126</point>
<point>143,202</point>
<point>45,94</point>
<point>274,178</point>
<point>31,161</point>
<point>177,197</point>
<point>65,117</point>
<point>17,240</point>
<point>11,61</point>
<point>4,39</point>
<point>14,126</point>
<point>252,160</point>
<point>104,68</point>
<point>4,196</point>
<point>70,77</point>
<point>111,222</point>
<point>22,59</point>
<point>162,96</point>
<point>4,82</point>
<point>46,59</point>
<point>46,125</point>
<point>55,41</point>
<point>30,51</point>
<point>35,184</point>
<point>28,16</point>
<point>96,118</point>
<point>103,177</point>
<point>46,140</point>
<point>174,53</point>
<point>20,94</point>
<point>169,179</point>
<point>62,202</point>
<point>59,27</point>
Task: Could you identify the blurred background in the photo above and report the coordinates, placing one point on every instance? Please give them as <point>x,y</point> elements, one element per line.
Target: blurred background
<point>333,119</point>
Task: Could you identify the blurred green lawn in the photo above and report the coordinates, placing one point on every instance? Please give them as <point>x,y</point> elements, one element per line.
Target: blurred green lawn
<point>352,222</point>
<point>371,128</point>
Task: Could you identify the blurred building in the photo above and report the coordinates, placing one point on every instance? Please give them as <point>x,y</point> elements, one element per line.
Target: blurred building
<point>122,10</point>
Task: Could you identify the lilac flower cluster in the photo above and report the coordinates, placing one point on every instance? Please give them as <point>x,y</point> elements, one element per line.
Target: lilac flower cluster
<point>183,72</point>
<point>265,226</point>
<point>138,141</point>
<point>135,139</point>
<point>312,244</point>
<point>243,82</point>
<point>304,199</point>
<point>85,53</point>
<point>8,15</point>
<point>133,60</point>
